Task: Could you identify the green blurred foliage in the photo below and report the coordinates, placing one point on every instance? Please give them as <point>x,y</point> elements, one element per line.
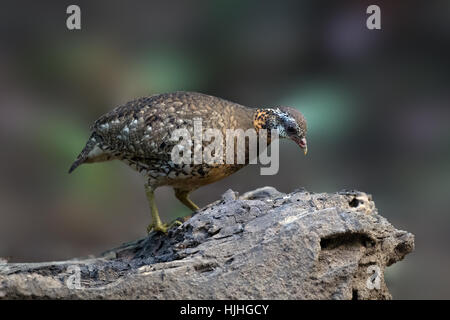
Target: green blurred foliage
<point>329,109</point>
<point>169,69</point>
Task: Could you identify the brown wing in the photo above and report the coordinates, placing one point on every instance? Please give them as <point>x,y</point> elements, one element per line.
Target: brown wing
<point>142,127</point>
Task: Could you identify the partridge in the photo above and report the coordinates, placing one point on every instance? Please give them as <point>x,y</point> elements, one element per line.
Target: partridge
<point>139,133</point>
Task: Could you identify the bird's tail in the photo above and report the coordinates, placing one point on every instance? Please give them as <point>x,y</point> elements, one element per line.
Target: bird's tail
<point>83,156</point>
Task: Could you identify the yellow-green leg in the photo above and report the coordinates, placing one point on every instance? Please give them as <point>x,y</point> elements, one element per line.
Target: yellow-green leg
<point>156,224</point>
<point>183,196</point>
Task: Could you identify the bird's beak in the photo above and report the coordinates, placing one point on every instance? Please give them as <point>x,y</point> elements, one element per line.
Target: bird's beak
<point>302,144</point>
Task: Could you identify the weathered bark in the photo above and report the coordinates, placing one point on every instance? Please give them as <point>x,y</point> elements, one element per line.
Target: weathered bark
<point>262,245</point>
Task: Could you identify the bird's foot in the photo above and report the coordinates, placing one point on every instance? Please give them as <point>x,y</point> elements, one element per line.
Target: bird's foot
<point>162,227</point>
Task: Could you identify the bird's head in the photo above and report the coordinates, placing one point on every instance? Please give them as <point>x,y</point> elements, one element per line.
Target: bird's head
<point>289,122</point>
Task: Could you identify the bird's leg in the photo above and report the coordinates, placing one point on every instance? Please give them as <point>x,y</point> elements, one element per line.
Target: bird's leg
<point>183,196</point>
<point>156,224</point>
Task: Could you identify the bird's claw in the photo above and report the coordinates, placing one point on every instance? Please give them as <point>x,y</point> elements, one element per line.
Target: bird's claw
<point>163,227</point>
<point>158,228</point>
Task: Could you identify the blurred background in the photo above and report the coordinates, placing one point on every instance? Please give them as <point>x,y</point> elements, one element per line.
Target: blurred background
<point>376,101</point>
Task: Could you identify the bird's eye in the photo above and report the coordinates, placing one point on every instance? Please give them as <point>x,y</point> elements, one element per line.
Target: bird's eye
<point>291,130</point>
